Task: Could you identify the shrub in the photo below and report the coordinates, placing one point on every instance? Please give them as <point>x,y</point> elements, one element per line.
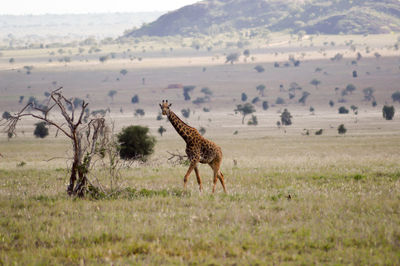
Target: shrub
<point>6,115</point>
<point>331,103</point>
<point>354,74</point>
<point>124,72</point>
<point>135,99</point>
<point>259,68</point>
<point>202,131</point>
<point>319,132</point>
<point>186,112</point>
<point>350,88</point>
<point>286,118</point>
<point>280,100</point>
<point>396,96</point>
<point>253,121</point>
<point>41,131</point>
<point>342,129</point>
<point>244,97</point>
<point>343,110</point>
<point>139,112</point>
<point>388,112</point>
<point>161,130</point>
<point>232,58</point>
<point>135,143</point>
<point>265,105</point>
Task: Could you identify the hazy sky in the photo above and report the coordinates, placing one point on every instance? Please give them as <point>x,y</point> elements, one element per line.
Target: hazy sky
<point>35,7</point>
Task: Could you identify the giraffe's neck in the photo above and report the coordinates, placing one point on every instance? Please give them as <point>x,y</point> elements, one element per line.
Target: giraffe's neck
<point>184,130</point>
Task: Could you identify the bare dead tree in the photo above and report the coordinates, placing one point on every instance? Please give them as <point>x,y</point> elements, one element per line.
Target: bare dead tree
<point>177,158</point>
<point>83,135</point>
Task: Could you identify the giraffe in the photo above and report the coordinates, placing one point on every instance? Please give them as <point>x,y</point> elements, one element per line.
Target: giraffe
<point>198,148</point>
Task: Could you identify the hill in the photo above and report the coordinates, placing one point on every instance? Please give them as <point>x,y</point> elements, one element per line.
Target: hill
<point>310,16</point>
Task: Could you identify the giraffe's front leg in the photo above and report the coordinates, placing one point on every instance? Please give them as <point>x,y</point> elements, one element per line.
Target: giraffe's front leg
<point>191,167</point>
<point>196,170</point>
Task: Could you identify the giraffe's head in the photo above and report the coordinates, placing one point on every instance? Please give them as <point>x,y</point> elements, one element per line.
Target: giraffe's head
<point>165,107</point>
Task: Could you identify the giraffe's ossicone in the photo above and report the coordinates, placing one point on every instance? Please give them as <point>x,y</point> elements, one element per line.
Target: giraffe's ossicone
<point>198,148</point>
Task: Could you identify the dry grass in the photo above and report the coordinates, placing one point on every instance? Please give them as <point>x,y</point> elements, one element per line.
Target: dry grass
<point>292,199</point>
<point>343,208</point>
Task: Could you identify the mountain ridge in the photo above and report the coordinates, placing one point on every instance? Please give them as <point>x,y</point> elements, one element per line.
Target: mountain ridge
<point>310,16</point>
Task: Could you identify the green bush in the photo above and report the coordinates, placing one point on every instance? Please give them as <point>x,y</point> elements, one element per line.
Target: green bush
<point>41,131</point>
<point>135,143</point>
<point>388,112</point>
<point>342,129</point>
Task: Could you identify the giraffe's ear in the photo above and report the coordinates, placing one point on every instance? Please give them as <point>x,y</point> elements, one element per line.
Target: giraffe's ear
<point>160,105</point>
<point>169,105</point>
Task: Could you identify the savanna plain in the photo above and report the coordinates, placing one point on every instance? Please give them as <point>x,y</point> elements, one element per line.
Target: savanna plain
<point>293,196</point>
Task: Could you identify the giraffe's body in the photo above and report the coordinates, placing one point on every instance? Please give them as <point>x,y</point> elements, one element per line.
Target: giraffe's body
<point>198,148</point>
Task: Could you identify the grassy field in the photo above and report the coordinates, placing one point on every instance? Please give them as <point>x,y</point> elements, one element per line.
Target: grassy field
<point>292,198</point>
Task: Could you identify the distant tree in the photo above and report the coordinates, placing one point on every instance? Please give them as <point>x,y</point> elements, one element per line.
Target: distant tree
<point>255,100</point>
<point>315,82</point>
<point>207,91</point>
<point>259,68</point>
<point>245,110</point>
<point>186,90</point>
<point>354,74</point>
<point>32,100</point>
<point>6,115</point>
<point>341,129</point>
<point>139,112</point>
<point>244,97</point>
<point>396,96</point>
<point>265,105</point>
<point>21,98</point>
<point>232,58</point>
<point>135,99</point>
<point>202,131</point>
<point>47,94</point>
<point>359,56</point>
<point>276,64</point>
<point>388,112</point>
<point>286,118</point>
<point>261,89</point>
<point>11,60</point>
<point>377,55</point>
<point>123,72</point>
<point>103,58</point>
<point>374,103</point>
<point>253,121</point>
<point>41,131</point>
<point>159,116</point>
<point>331,103</point>
<point>337,57</point>
<point>369,94</point>
<point>304,97</point>
<point>350,88</point>
<point>354,109</point>
<point>135,143</point>
<point>279,100</point>
<point>319,132</point>
<point>312,109</point>
<point>186,112</point>
<point>200,100</point>
<point>343,110</point>
<point>111,94</point>
<point>161,130</point>
<point>246,53</point>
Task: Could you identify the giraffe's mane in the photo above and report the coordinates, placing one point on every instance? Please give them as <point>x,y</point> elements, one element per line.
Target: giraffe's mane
<point>181,119</point>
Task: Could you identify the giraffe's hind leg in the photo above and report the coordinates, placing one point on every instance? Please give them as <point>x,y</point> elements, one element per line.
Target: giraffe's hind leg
<point>196,170</point>
<point>221,179</point>
<point>215,165</point>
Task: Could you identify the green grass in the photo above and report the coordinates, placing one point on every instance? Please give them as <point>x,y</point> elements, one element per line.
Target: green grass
<point>343,214</point>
